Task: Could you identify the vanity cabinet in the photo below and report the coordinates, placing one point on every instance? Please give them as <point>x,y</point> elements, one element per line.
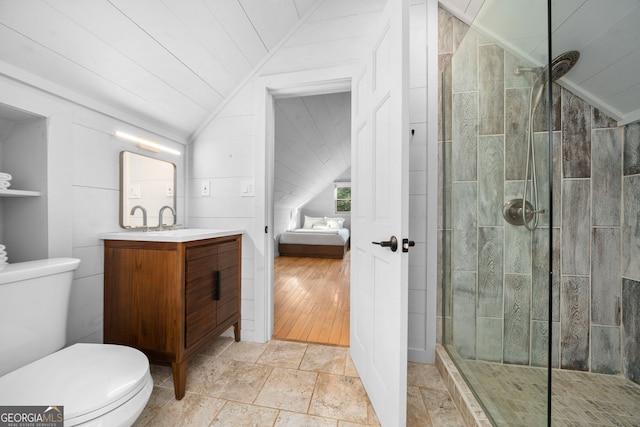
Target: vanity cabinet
<point>171,299</point>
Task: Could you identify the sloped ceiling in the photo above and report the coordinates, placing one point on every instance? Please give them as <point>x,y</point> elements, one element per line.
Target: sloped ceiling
<point>312,146</point>
<point>167,63</point>
<point>606,33</point>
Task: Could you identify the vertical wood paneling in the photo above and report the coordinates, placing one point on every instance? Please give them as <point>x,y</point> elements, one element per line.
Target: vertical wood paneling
<point>605,350</point>
<point>606,174</point>
<point>576,136</point>
<point>516,125</point>
<point>490,180</point>
<point>517,324</point>
<point>465,63</point>
<point>464,136</point>
<point>490,271</point>
<point>490,89</point>
<point>605,276</point>
<point>517,249</point>
<point>489,344</point>
<point>631,325</point>
<point>574,316</point>
<point>576,233</point>
<point>631,229</point>
<point>464,233</point>
<point>464,313</point>
<point>632,149</point>
<point>540,344</point>
<point>540,275</point>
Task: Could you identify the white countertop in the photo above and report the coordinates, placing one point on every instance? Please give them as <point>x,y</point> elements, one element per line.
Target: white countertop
<point>180,235</point>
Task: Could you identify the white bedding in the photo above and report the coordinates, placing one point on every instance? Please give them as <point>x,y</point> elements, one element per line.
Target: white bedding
<point>309,236</point>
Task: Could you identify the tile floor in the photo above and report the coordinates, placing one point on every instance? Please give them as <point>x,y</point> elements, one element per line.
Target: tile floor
<point>284,383</point>
<point>516,396</point>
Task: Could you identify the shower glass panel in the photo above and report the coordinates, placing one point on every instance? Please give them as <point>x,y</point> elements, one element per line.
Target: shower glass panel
<point>497,210</point>
<point>540,219</point>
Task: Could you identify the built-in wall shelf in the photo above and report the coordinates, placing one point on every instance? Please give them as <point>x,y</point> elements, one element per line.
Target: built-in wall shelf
<point>18,193</point>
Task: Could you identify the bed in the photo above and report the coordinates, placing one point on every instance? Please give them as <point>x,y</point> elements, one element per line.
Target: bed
<point>319,238</point>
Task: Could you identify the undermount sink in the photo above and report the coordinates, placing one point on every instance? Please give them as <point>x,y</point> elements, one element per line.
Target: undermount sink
<point>180,235</point>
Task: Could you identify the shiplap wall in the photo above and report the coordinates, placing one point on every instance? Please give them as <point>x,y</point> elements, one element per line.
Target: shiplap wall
<point>81,190</point>
<point>337,33</point>
<point>223,152</point>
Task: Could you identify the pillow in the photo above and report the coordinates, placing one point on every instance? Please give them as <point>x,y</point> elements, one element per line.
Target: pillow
<point>321,225</point>
<point>310,220</point>
<point>334,222</point>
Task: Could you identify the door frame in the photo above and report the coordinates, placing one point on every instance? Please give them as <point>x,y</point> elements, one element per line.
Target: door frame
<point>267,88</point>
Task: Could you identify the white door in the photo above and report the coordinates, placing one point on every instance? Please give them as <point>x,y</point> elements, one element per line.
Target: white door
<point>379,278</point>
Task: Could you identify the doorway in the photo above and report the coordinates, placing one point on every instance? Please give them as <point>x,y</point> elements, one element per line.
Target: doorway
<point>312,167</point>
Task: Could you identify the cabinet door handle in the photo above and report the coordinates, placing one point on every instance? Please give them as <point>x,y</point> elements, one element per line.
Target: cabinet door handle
<point>216,285</point>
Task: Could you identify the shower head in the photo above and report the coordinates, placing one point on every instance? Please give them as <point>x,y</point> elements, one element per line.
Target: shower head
<point>561,65</point>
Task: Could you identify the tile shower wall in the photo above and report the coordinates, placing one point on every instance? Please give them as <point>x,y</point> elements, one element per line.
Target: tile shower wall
<point>493,299</point>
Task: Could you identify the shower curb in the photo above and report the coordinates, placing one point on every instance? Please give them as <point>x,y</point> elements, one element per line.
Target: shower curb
<point>472,413</point>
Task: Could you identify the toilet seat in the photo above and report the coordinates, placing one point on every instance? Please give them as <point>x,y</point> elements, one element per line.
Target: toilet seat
<point>89,380</point>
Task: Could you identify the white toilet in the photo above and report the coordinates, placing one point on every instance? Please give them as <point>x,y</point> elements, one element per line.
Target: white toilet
<point>97,384</point>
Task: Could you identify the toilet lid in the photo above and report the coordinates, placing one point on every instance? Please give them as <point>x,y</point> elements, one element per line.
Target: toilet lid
<point>87,379</point>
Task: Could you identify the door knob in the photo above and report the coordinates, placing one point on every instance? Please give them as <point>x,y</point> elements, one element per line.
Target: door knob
<point>391,243</point>
<point>406,244</point>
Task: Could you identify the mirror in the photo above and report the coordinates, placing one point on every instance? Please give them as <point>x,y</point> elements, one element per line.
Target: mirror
<point>147,189</point>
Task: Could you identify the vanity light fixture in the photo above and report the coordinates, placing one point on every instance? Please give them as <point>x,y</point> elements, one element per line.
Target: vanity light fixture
<point>145,143</point>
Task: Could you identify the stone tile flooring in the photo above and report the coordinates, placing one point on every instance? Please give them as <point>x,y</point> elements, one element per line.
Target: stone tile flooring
<point>284,383</point>
<point>517,396</point>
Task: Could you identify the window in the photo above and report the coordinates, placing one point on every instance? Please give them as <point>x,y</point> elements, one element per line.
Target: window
<point>343,198</point>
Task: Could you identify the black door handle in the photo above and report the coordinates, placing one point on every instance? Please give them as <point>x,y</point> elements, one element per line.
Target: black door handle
<point>406,244</point>
<point>391,243</point>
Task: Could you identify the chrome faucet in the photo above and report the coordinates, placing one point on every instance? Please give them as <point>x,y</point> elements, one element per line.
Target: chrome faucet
<point>160,220</point>
<point>144,214</point>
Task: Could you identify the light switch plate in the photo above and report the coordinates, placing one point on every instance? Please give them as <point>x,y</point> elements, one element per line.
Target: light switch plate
<point>169,192</point>
<point>205,188</point>
<point>247,188</point>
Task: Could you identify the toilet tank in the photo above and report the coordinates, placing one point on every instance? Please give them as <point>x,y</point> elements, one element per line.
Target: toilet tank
<point>34,297</point>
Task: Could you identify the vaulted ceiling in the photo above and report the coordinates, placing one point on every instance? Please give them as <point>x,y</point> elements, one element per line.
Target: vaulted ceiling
<point>312,146</point>
<point>168,63</point>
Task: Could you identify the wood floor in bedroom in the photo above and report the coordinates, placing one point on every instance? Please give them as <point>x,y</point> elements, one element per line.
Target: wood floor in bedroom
<point>311,300</point>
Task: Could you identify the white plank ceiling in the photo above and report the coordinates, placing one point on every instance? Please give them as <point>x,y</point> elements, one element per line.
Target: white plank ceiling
<point>169,63</point>
<point>312,146</point>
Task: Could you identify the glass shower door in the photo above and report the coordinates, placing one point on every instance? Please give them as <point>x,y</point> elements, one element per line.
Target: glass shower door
<point>497,226</point>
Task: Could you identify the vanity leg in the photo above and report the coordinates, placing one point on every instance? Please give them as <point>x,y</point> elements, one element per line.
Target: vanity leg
<point>179,378</point>
<point>236,331</point>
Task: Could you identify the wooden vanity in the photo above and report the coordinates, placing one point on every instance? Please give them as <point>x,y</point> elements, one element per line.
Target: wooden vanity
<point>171,299</point>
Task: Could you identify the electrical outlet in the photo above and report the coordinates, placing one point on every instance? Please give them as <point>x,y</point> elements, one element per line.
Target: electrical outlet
<point>205,189</point>
<point>169,192</point>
